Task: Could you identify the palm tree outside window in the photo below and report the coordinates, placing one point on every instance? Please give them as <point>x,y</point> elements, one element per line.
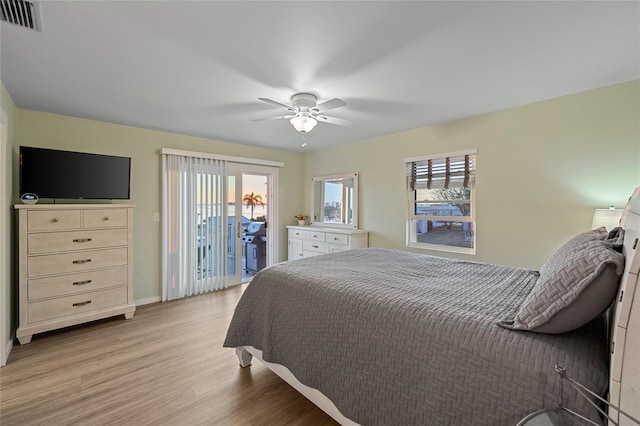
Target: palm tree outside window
<point>252,200</point>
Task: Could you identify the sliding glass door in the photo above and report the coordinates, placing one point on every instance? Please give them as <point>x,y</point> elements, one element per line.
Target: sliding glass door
<point>215,220</point>
<point>219,227</point>
<point>255,211</point>
<point>244,216</point>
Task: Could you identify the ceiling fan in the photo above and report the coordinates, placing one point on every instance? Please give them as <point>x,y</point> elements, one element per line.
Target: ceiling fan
<point>305,112</point>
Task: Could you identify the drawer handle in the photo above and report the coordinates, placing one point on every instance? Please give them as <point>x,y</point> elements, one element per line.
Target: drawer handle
<point>335,238</point>
<point>82,303</point>
<point>315,246</point>
<point>54,220</point>
<point>315,236</point>
<point>105,218</point>
<point>82,282</point>
<point>82,240</point>
<point>77,262</point>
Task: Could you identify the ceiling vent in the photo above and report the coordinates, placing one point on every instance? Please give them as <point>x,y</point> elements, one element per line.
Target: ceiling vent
<point>25,14</point>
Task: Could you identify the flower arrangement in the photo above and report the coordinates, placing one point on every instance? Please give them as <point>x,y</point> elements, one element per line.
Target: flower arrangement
<point>300,217</point>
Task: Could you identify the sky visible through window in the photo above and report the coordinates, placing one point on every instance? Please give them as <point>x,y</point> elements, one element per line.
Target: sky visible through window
<point>250,183</point>
<point>333,193</point>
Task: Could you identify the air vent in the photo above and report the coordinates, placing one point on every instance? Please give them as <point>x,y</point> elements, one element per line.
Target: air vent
<point>22,13</point>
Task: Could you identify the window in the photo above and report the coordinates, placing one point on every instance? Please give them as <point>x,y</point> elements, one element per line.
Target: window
<point>441,202</point>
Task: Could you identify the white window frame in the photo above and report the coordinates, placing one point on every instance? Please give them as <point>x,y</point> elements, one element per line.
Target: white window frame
<point>271,172</point>
<point>412,218</point>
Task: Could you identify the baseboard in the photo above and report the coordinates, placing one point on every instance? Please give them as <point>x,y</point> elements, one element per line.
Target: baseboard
<point>5,356</point>
<point>155,299</point>
<point>147,300</point>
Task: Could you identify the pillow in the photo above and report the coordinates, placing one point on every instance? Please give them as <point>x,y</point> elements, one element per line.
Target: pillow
<point>576,284</point>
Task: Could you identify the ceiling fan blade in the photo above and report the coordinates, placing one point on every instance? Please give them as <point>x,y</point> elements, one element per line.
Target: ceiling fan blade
<point>272,102</point>
<point>274,118</point>
<point>329,105</point>
<point>333,120</point>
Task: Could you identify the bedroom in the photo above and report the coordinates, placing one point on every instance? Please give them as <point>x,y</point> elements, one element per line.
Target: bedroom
<point>582,145</point>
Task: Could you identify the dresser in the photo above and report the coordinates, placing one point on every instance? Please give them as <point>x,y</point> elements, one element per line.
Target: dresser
<point>307,241</point>
<point>75,265</point>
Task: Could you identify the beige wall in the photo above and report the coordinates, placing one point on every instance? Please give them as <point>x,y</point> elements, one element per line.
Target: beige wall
<point>143,146</point>
<point>6,269</point>
<point>542,170</point>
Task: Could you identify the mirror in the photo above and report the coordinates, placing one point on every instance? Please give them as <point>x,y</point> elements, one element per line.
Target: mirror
<point>334,200</point>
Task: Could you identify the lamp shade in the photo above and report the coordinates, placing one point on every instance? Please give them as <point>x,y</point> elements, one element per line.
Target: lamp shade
<point>609,218</point>
<point>303,123</point>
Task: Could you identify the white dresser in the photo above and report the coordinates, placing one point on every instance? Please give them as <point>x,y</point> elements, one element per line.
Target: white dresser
<point>307,241</point>
<point>75,265</point>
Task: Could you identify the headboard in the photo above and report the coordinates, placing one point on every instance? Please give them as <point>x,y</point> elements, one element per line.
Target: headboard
<point>625,347</point>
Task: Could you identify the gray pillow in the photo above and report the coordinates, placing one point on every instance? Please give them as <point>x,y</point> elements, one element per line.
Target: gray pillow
<point>576,284</point>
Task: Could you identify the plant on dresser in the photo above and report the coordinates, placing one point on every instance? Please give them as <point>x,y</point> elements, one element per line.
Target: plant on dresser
<point>75,265</point>
<point>307,241</point>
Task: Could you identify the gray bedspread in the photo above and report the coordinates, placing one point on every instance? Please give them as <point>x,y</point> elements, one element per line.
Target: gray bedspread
<point>397,338</point>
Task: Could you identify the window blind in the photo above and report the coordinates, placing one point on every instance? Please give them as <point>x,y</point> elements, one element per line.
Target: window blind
<point>194,252</point>
<point>442,173</point>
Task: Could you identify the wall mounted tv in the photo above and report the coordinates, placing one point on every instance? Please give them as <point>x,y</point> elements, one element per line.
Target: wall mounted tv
<point>51,173</point>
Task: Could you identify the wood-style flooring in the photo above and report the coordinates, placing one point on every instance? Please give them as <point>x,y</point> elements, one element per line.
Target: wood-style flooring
<point>165,366</point>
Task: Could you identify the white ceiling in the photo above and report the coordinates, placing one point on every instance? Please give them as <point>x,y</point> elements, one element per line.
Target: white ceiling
<point>197,68</point>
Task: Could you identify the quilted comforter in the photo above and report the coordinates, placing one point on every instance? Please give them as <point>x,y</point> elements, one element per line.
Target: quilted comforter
<point>398,338</point>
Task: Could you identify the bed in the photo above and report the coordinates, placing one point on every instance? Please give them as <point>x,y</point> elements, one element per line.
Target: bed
<point>379,337</point>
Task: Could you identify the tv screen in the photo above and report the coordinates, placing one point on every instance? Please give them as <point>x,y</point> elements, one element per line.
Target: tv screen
<point>51,173</point>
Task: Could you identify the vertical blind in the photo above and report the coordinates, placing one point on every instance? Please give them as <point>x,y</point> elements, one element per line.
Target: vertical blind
<point>457,171</point>
<point>194,249</point>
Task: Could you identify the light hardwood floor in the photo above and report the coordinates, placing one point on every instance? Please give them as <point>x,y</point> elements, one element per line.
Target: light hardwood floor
<point>166,366</point>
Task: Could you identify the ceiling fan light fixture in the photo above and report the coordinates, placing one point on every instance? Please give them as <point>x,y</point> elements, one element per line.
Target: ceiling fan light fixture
<point>303,123</point>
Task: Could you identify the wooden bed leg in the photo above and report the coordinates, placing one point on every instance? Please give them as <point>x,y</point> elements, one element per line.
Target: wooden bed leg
<point>244,357</point>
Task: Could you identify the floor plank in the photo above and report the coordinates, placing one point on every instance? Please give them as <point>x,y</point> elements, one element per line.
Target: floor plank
<point>165,366</point>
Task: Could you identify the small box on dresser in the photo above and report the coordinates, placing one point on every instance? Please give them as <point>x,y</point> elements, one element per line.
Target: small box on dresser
<point>307,241</point>
<point>75,264</point>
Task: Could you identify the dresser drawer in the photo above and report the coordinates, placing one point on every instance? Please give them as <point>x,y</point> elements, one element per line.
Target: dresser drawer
<point>310,253</point>
<point>63,285</point>
<point>314,235</point>
<point>76,240</point>
<point>296,233</point>
<point>52,264</point>
<point>107,218</point>
<point>53,220</point>
<point>337,238</point>
<point>320,246</point>
<point>76,304</point>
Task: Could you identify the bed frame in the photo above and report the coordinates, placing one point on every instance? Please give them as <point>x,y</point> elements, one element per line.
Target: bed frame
<point>245,353</point>
<point>624,377</point>
<point>624,382</point>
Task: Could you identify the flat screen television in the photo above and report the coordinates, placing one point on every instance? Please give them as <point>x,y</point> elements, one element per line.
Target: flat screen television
<point>51,173</point>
